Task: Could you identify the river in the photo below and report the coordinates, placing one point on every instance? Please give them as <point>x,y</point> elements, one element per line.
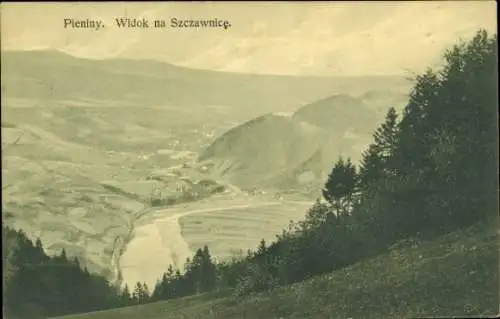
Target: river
<point>158,243</point>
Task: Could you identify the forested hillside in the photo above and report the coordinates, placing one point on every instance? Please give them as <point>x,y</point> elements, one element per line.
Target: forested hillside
<point>39,286</point>
<point>452,276</point>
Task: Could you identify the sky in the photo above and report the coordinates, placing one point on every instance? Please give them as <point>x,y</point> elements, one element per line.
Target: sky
<point>294,38</point>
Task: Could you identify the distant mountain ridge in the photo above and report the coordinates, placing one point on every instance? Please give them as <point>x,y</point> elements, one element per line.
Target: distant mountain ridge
<point>56,75</point>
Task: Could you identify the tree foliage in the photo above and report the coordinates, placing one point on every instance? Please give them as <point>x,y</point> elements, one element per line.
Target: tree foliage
<point>40,286</point>
<point>377,160</point>
<point>341,186</point>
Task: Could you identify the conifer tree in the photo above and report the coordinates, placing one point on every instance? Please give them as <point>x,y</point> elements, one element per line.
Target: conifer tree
<point>158,290</point>
<point>169,283</point>
<point>377,160</point>
<point>341,186</point>
<point>371,167</point>
<point>125,295</point>
<point>262,247</point>
<point>385,137</point>
<point>170,275</point>
<point>209,271</point>
<point>145,293</point>
<point>138,293</point>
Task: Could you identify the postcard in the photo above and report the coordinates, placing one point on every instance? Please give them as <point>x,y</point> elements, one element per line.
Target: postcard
<point>249,159</point>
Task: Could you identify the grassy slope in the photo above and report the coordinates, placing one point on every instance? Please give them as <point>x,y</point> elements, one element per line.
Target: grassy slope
<point>455,275</point>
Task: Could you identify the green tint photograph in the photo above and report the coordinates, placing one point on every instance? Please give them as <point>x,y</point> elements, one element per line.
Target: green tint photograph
<point>250,160</point>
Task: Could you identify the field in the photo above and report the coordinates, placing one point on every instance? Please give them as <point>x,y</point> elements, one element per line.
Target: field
<point>455,275</point>
<point>224,231</point>
<point>227,225</point>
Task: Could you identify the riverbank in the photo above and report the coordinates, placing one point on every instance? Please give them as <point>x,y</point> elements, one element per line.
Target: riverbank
<point>158,239</point>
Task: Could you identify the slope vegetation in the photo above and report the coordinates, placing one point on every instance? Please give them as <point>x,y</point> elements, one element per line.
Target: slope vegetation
<point>455,275</point>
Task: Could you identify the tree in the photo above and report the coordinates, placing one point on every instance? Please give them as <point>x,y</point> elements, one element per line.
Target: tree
<point>316,216</point>
<point>145,293</point>
<point>9,247</point>
<point>371,168</point>
<point>169,283</point>
<point>44,286</point>
<point>194,273</point>
<point>385,137</point>
<point>125,296</point>
<point>201,275</point>
<point>262,247</point>
<point>341,186</point>
<point>138,294</point>
<point>446,148</point>
<point>412,147</point>
<point>469,103</point>
<point>158,289</point>
<point>209,271</point>
<point>377,160</point>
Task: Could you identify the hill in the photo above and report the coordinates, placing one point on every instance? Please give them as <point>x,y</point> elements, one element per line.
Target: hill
<point>338,113</point>
<point>297,150</point>
<point>254,153</point>
<point>455,275</point>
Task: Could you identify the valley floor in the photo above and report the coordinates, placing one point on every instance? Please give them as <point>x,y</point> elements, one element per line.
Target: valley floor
<point>167,236</point>
<point>454,275</point>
